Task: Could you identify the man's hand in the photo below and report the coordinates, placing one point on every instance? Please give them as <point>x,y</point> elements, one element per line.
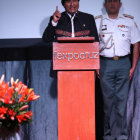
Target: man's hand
<point>135,59</point>
<point>98,73</point>
<point>131,73</point>
<point>56,15</point>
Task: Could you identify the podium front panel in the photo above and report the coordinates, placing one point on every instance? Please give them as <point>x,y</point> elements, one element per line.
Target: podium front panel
<point>76,105</point>
<point>75,56</point>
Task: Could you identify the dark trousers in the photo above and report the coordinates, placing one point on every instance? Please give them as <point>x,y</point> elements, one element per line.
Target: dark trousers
<point>114,80</point>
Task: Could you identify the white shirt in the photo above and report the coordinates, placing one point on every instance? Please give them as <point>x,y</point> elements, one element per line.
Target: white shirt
<point>116,35</point>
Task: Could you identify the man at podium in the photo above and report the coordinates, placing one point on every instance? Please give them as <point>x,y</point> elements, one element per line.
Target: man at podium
<point>70,23</point>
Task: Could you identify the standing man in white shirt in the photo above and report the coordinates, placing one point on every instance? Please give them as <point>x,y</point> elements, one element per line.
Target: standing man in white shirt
<point>116,33</point>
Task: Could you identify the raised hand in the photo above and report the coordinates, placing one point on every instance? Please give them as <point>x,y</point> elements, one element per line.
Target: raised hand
<point>56,15</point>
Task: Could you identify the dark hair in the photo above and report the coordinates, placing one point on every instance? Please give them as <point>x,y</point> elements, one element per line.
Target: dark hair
<point>63,1</point>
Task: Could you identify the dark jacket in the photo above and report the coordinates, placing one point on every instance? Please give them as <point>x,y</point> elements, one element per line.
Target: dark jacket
<point>84,25</point>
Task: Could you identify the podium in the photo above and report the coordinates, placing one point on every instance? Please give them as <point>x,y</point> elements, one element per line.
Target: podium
<point>75,60</point>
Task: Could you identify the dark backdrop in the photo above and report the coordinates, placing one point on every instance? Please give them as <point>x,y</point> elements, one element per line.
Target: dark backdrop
<point>30,60</point>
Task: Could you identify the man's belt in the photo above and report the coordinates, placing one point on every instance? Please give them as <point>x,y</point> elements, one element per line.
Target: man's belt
<point>114,58</point>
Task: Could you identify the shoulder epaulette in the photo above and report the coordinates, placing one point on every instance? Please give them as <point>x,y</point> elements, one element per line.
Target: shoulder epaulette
<point>100,16</point>
<point>128,16</point>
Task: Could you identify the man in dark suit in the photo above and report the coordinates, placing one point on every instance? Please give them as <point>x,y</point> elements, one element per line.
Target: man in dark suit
<point>70,23</point>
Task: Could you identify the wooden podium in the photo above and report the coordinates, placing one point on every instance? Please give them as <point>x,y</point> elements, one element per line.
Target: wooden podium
<point>75,59</point>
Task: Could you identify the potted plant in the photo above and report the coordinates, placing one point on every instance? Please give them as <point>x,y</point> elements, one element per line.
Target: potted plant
<point>14,100</point>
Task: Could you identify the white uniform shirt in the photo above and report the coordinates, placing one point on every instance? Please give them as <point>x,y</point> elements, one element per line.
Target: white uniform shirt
<point>116,35</point>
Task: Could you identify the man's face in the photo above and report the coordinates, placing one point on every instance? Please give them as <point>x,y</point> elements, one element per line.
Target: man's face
<point>112,6</point>
<point>71,6</point>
